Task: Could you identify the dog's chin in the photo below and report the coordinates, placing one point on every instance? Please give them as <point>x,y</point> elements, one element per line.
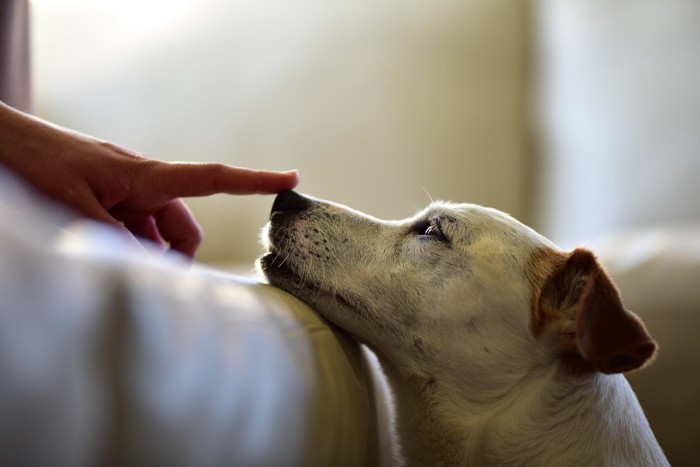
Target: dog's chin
<point>282,274</point>
<point>341,308</point>
<point>278,273</point>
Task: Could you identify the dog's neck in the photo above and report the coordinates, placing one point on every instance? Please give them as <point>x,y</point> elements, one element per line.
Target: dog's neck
<point>554,419</point>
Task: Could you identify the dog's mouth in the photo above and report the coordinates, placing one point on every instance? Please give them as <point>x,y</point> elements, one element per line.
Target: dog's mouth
<point>298,261</point>
<point>276,266</point>
<point>280,270</point>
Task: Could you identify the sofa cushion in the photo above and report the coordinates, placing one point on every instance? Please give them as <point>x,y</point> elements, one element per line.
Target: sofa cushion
<point>112,356</point>
<point>658,272</point>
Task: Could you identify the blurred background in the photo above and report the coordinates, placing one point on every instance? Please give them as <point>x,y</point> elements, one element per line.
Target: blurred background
<point>376,103</point>
<point>579,117</point>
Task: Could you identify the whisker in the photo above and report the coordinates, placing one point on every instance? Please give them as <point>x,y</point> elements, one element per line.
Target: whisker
<point>283,260</point>
<point>427,193</point>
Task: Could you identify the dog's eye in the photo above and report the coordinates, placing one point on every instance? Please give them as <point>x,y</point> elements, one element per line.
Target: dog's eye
<point>431,229</point>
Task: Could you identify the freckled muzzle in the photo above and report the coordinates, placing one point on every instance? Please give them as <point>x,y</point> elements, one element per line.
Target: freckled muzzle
<point>294,255</point>
<point>286,206</point>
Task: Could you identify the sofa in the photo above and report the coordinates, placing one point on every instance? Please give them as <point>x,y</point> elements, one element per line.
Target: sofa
<point>114,355</point>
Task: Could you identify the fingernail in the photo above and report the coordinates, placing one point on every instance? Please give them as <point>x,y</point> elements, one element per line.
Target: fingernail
<point>293,172</point>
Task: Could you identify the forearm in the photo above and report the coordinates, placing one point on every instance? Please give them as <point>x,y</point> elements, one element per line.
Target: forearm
<point>12,133</point>
<point>22,136</point>
<point>45,154</point>
<point>120,187</point>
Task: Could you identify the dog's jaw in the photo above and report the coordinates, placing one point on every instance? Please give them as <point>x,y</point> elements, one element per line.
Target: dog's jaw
<point>281,270</point>
<point>335,305</point>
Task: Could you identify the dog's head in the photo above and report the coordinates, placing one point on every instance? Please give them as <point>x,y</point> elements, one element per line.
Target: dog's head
<point>458,289</point>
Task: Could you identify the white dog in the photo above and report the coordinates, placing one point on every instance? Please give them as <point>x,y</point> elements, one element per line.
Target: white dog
<point>500,349</point>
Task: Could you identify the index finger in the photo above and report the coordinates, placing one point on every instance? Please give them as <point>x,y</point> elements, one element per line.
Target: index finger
<point>183,179</point>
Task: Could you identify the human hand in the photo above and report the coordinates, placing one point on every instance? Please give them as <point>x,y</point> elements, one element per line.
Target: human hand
<point>111,184</point>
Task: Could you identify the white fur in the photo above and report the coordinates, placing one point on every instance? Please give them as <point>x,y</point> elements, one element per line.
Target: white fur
<point>451,323</point>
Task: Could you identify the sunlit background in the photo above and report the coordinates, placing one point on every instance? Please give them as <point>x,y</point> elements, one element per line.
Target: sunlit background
<point>581,118</point>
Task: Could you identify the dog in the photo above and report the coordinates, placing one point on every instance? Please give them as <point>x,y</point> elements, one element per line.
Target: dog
<point>499,348</point>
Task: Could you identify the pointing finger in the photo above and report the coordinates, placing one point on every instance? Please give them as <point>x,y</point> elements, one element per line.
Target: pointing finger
<point>182,179</point>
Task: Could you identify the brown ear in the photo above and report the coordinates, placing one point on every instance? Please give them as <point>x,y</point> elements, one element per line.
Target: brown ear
<point>609,337</point>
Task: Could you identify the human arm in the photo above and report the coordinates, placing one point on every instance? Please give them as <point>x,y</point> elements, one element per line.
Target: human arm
<point>112,184</point>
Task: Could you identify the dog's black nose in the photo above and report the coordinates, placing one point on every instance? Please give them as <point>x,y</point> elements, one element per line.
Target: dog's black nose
<point>290,201</point>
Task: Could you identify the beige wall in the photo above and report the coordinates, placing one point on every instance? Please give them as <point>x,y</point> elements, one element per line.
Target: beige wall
<point>374,101</point>
<point>619,117</point>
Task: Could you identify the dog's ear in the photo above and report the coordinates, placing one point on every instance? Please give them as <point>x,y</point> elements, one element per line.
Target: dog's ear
<point>584,305</point>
